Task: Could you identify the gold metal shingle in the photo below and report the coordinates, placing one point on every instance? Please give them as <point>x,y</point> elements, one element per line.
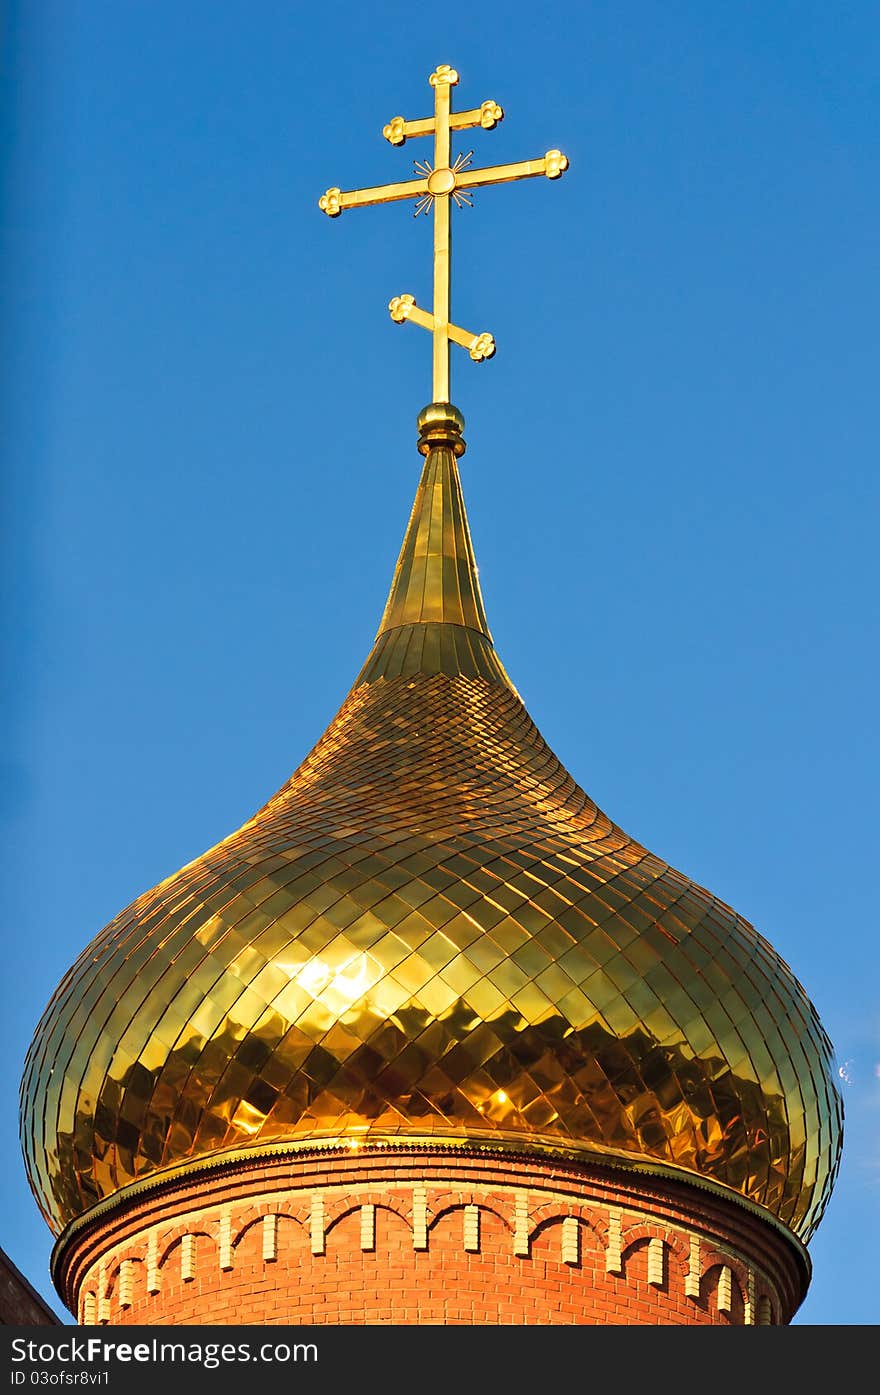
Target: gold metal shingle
<point>432,931</point>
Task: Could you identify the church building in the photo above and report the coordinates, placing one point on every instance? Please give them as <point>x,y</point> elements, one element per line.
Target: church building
<point>429,1039</point>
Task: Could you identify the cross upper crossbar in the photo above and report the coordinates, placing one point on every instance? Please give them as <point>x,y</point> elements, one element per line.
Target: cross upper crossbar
<point>437,185</point>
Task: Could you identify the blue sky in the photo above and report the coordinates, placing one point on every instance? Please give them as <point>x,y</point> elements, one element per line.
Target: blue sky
<point>672,470</point>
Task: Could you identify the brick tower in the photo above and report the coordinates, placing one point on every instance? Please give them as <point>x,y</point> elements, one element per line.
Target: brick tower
<point>430,1039</point>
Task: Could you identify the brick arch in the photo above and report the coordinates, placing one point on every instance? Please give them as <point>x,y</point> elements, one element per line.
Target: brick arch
<point>403,1214</point>
<point>674,1244</point>
<point>98,1283</point>
<point>111,1278</point>
<point>175,1237</point>
<point>765,1311</point>
<point>242,1220</point>
<point>255,1222</point>
<point>709,1287</point>
<point>542,1233</point>
<point>642,1230</point>
<point>460,1203</point>
<point>715,1259</point>
<point>397,1206</point>
<point>389,1208</point>
<point>341,1212</point>
<point>551,1211</point>
<point>442,1200</point>
<point>301,1220</point>
<point>248,1226</point>
<point>679,1249</point>
<point>496,1202</point>
<point>168,1242</point>
<point>335,1210</point>
<point>638,1266</point>
<point>138,1269</point>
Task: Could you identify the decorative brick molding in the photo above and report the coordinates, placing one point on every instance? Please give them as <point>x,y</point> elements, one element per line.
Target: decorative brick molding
<point>427,1236</point>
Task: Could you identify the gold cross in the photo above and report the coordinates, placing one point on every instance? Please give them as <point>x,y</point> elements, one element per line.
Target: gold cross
<point>436,186</point>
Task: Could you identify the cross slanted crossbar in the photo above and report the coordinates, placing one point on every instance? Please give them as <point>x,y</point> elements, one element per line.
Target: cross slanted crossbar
<point>437,185</point>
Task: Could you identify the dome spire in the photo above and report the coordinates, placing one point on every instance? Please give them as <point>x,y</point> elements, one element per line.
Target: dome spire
<point>434,619</point>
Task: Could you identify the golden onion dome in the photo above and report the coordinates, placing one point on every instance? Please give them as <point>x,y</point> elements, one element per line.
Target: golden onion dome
<point>432,933</point>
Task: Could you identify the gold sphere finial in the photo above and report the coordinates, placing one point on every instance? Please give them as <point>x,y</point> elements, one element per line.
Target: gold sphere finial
<point>441,424</point>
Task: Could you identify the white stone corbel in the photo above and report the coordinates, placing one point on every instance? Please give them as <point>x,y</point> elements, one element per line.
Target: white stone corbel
<point>613,1257</point>
<point>316,1223</point>
<point>420,1216</point>
<point>368,1226</point>
<point>187,1258</point>
<point>749,1306</point>
<point>472,1229</point>
<point>765,1312</point>
<point>224,1239</point>
<point>153,1279</point>
<point>692,1278</point>
<point>656,1262</point>
<point>125,1283</point>
<point>521,1225</point>
<point>571,1241</point>
<point>270,1239</point>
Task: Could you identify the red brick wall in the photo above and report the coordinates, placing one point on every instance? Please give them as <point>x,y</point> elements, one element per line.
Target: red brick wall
<point>546,1250</point>
<point>20,1304</point>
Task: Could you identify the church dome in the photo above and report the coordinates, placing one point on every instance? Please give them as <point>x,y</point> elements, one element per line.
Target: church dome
<point>431,933</point>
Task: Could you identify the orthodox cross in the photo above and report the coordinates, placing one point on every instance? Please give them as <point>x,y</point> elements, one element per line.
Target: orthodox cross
<point>436,186</point>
